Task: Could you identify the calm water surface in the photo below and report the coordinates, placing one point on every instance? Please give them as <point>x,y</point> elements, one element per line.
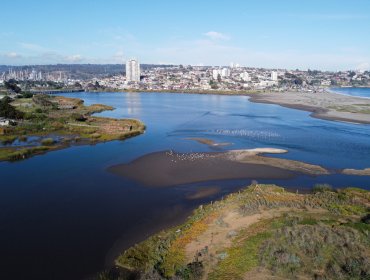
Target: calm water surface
<point>353,91</point>
<point>62,216</point>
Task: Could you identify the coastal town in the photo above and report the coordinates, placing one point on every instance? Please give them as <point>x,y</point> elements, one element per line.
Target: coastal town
<point>134,77</point>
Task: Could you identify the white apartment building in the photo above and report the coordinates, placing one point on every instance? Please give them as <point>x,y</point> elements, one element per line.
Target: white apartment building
<point>245,76</point>
<point>215,73</point>
<point>132,71</point>
<point>274,76</point>
<point>225,72</point>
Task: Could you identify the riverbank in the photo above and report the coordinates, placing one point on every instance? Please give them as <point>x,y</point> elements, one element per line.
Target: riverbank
<point>359,91</point>
<point>51,123</point>
<point>264,232</point>
<point>326,105</point>
<point>322,105</point>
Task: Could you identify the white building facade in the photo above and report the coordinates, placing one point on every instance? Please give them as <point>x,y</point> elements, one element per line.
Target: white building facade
<point>133,71</point>
<point>274,76</point>
<point>245,76</point>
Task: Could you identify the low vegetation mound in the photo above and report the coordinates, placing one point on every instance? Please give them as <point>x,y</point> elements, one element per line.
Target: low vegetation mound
<point>261,232</point>
<point>57,122</point>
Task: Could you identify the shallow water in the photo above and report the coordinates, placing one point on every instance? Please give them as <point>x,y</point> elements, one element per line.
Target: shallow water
<point>63,216</point>
<point>353,91</point>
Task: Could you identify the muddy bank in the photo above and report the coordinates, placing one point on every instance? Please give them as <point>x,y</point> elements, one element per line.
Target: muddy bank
<point>163,169</point>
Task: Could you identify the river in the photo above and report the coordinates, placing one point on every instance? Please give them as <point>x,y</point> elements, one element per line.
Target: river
<point>63,216</point>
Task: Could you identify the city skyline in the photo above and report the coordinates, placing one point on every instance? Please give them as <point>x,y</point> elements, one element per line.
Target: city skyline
<point>290,35</point>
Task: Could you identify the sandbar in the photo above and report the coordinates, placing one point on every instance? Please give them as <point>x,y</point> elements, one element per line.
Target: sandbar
<point>168,168</point>
<point>323,105</point>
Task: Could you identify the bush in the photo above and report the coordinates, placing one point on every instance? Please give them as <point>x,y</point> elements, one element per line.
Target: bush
<point>47,141</point>
<point>27,95</point>
<point>8,111</point>
<point>322,188</point>
<point>78,117</point>
<point>35,116</point>
<point>308,249</point>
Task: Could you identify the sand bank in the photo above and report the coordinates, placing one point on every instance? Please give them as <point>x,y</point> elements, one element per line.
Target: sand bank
<point>327,105</point>
<point>358,172</point>
<point>162,169</point>
<point>209,142</point>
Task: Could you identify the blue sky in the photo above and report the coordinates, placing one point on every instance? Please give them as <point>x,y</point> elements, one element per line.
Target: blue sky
<point>325,34</point>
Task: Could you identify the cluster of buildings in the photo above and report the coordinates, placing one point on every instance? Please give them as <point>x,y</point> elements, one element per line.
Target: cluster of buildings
<point>230,78</point>
<point>202,78</point>
<point>189,77</point>
<point>33,75</point>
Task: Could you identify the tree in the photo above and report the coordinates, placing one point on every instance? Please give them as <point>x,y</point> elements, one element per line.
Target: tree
<point>352,74</point>
<point>12,85</point>
<point>78,85</point>
<point>213,84</point>
<point>8,111</point>
<point>219,78</point>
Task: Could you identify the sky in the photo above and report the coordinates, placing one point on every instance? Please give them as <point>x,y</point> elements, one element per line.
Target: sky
<point>305,34</point>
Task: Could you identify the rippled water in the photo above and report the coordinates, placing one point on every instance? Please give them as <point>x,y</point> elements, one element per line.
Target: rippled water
<point>63,216</point>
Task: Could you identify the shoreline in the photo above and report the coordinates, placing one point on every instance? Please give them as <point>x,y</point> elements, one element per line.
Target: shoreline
<point>327,106</point>
<point>333,90</point>
<point>65,122</point>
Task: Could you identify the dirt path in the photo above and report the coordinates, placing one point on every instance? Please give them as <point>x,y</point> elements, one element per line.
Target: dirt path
<point>221,231</point>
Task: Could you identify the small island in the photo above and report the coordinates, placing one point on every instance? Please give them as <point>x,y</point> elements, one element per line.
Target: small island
<point>36,124</point>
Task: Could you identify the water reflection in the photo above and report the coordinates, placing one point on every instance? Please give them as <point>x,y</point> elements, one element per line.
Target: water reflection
<point>133,104</point>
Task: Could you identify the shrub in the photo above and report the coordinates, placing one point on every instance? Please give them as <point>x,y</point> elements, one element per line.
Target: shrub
<point>308,249</point>
<point>47,141</point>
<point>322,188</point>
<point>27,95</point>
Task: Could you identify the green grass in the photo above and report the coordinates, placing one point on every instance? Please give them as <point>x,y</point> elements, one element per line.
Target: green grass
<point>322,188</point>
<point>244,254</point>
<point>7,139</point>
<point>361,227</point>
<point>311,243</point>
<point>240,258</point>
<point>348,209</point>
<point>43,118</point>
<point>47,141</point>
<point>23,153</point>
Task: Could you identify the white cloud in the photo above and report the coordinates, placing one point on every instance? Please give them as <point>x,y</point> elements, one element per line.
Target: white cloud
<point>74,58</point>
<point>13,55</point>
<point>363,66</point>
<point>213,35</point>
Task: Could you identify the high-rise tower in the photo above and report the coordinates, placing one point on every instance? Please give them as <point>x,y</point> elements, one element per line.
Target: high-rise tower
<point>132,71</point>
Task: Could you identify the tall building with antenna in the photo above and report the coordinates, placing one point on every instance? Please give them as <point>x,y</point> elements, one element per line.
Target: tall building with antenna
<point>132,71</point>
